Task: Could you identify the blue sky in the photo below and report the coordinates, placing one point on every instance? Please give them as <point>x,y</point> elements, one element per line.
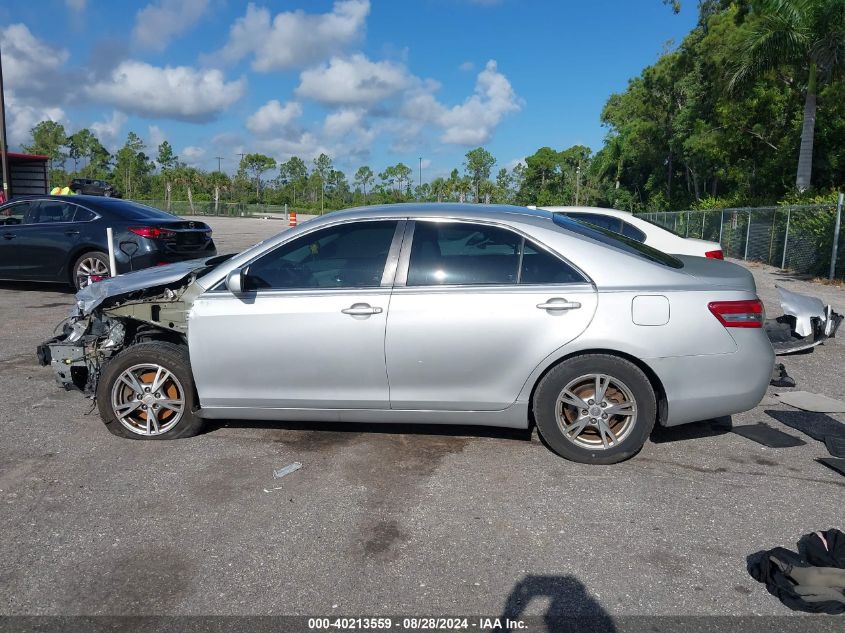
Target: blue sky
<point>367,81</point>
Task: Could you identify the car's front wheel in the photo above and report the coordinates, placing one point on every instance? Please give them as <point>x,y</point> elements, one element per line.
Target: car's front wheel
<point>595,409</point>
<point>147,392</point>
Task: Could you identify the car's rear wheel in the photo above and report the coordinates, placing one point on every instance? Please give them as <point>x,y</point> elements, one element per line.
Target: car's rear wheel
<point>90,267</point>
<point>595,409</point>
<point>147,392</point>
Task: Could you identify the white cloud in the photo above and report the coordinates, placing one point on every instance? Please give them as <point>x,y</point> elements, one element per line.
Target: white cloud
<point>21,117</point>
<point>466,67</point>
<point>193,154</point>
<point>273,117</point>
<point>159,22</point>
<point>76,5</point>
<point>343,122</point>
<point>107,131</point>
<point>294,38</point>
<point>353,80</point>
<point>475,120</point>
<point>426,163</point>
<point>156,136</point>
<point>30,66</point>
<point>176,92</point>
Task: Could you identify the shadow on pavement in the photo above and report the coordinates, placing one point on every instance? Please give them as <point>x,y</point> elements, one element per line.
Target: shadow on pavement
<point>31,285</point>
<point>571,607</point>
<point>210,426</point>
<point>695,431</point>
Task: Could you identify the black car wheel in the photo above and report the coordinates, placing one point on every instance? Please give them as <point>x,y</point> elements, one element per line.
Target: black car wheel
<point>90,267</point>
<point>595,409</point>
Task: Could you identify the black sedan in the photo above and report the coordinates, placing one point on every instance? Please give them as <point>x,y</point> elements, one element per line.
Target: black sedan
<point>63,238</point>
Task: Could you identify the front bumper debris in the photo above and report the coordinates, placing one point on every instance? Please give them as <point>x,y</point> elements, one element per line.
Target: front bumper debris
<point>806,323</point>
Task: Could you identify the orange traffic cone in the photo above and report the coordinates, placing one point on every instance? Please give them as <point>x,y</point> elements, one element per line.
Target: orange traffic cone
<point>292,221</point>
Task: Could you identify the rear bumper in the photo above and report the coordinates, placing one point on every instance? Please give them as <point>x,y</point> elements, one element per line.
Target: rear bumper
<point>714,385</point>
<point>149,257</point>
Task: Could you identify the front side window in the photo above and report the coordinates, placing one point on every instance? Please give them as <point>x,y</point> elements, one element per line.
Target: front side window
<point>14,213</point>
<point>446,253</point>
<point>347,256</point>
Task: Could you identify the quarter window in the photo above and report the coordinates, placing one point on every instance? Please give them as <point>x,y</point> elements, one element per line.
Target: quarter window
<point>346,256</point>
<point>539,266</point>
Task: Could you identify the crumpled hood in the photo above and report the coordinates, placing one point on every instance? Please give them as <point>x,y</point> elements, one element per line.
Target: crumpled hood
<point>94,294</point>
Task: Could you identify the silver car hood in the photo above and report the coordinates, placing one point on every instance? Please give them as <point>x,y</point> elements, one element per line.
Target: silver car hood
<point>90,297</point>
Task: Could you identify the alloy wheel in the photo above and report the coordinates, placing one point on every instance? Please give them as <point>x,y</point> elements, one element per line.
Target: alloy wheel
<point>148,399</point>
<point>89,270</point>
<point>596,411</point>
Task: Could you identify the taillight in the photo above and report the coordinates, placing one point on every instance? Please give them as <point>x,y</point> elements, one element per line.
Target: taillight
<point>152,232</point>
<point>738,313</point>
<point>715,254</point>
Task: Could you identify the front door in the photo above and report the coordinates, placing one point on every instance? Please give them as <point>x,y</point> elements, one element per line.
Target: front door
<point>308,332</point>
<point>479,310</point>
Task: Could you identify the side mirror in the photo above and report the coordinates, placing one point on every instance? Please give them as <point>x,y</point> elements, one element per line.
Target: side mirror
<point>235,281</point>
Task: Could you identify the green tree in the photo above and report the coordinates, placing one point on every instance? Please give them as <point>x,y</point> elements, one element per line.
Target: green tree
<point>48,139</point>
<point>478,164</point>
<point>293,173</point>
<point>132,166</point>
<point>808,38</point>
<point>166,159</point>
<point>364,178</point>
<point>323,168</point>
<point>255,165</point>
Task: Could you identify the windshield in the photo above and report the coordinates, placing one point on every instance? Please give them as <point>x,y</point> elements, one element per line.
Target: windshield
<point>617,240</point>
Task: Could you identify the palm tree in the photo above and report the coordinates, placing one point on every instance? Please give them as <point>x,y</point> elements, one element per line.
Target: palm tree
<point>807,35</point>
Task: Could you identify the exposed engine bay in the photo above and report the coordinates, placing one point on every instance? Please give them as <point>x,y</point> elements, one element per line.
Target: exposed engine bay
<point>113,314</point>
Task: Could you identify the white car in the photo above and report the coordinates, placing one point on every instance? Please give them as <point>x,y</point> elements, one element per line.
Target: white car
<point>641,230</point>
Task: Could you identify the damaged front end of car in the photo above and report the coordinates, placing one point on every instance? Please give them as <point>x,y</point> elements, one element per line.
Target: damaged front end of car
<point>806,322</point>
<point>113,314</point>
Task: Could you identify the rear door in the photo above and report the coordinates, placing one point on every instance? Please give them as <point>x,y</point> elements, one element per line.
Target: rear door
<point>475,309</point>
<point>45,239</point>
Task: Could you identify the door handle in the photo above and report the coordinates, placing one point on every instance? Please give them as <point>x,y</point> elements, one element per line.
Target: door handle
<point>361,309</point>
<point>559,304</point>
<point>8,236</point>
<point>71,232</point>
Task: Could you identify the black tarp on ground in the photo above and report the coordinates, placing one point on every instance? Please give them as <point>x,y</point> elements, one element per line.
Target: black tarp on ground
<point>819,549</point>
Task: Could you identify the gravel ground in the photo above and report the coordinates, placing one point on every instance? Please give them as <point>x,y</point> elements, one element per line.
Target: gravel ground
<point>388,519</point>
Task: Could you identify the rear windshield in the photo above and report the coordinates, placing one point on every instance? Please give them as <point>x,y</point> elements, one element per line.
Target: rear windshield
<point>661,226</point>
<point>134,211</point>
<point>617,240</point>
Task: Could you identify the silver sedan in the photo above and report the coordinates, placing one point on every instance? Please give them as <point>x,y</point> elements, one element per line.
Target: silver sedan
<point>439,314</point>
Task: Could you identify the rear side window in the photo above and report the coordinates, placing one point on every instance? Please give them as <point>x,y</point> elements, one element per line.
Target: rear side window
<point>445,253</point>
<point>458,253</point>
<point>618,241</point>
<point>51,211</point>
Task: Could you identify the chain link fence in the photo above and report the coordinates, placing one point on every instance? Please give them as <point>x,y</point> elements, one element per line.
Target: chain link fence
<point>209,207</point>
<point>798,238</point>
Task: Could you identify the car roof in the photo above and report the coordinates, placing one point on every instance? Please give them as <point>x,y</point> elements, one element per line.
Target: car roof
<point>443,209</point>
<point>598,210</point>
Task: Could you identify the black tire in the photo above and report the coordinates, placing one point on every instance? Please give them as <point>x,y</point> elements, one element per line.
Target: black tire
<point>174,359</point>
<point>75,279</point>
<point>623,373</point>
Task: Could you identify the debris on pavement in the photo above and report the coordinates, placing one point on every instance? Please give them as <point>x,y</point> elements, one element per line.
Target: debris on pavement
<point>812,580</point>
<point>763,434</point>
<point>808,401</point>
<point>805,323</point>
<point>287,470</point>
<point>780,378</point>
<point>834,463</point>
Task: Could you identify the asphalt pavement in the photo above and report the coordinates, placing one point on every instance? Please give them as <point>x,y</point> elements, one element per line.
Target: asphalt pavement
<point>388,519</point>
